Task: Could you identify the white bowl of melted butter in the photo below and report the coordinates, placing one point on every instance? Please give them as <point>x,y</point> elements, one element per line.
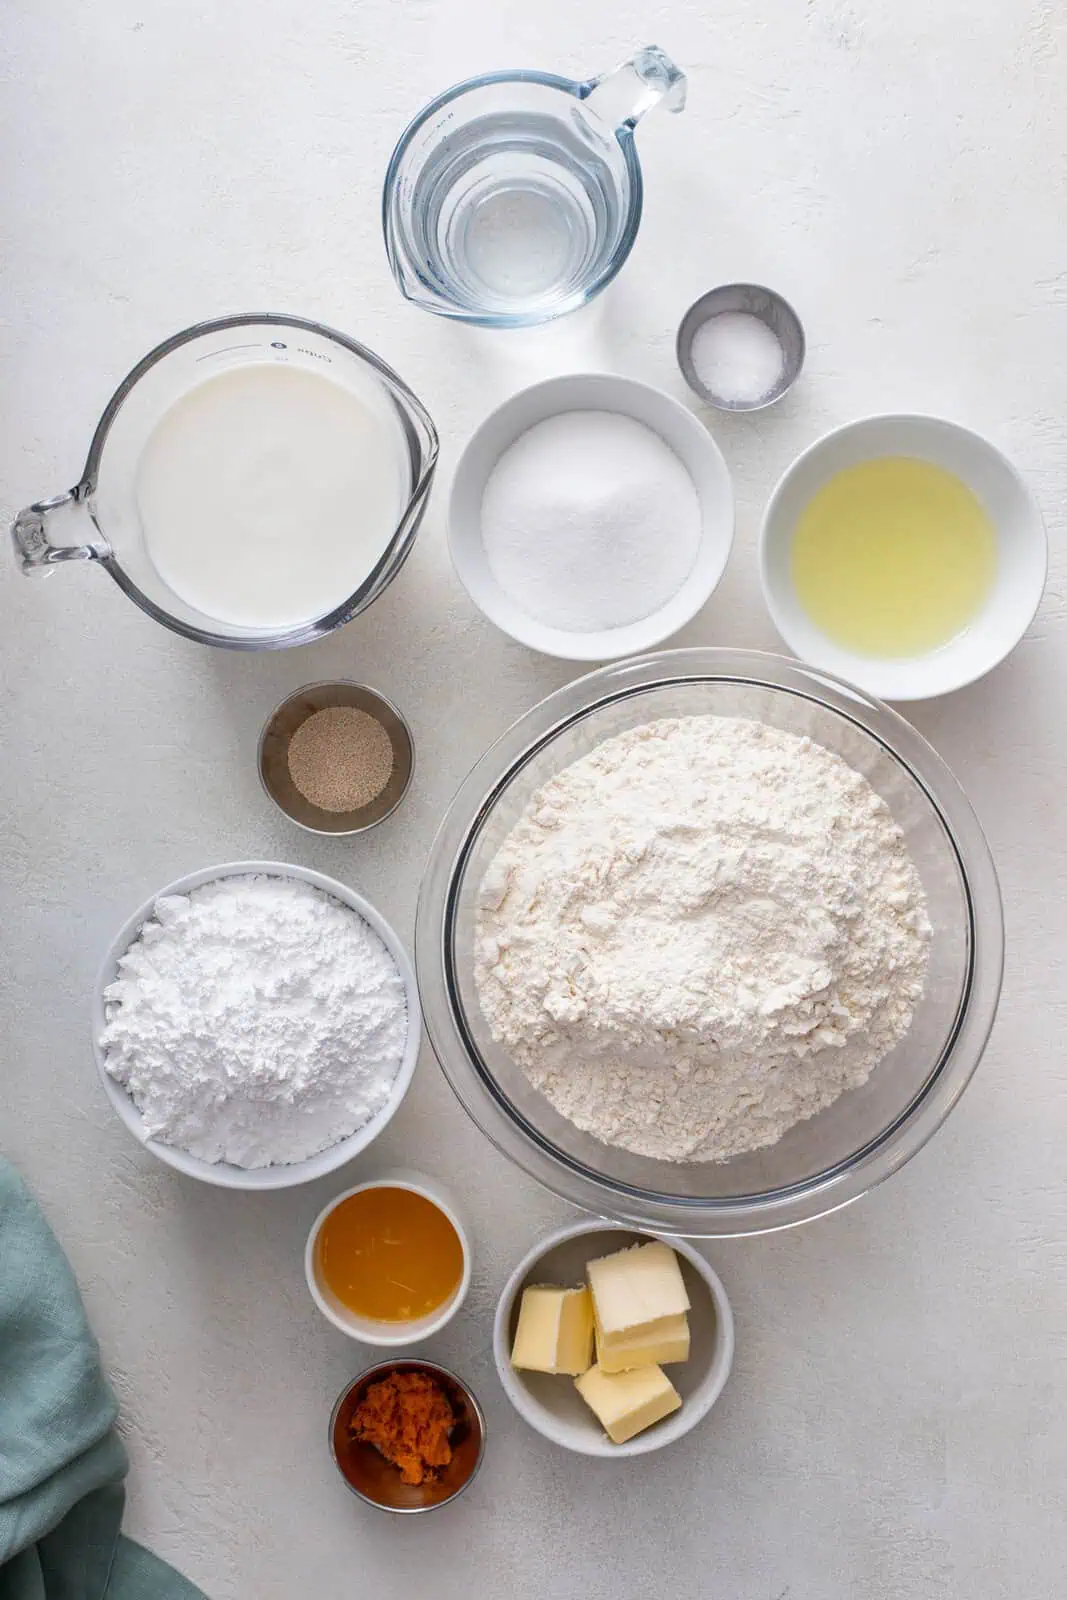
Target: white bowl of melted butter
<point>903,553</point>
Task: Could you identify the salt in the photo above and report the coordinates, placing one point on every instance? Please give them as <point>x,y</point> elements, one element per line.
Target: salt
<point>737,358</point>
<point>590,521</point>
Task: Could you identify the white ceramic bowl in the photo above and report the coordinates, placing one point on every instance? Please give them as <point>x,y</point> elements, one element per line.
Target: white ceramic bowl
<point>371,1330</point>
<point>676,425</point>
<point>552,1404</point>
<point>1022,552</point>
<point>222,1173</point>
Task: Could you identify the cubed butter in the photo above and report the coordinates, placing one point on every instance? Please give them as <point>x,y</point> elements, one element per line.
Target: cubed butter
<point>625,1403</point>
<point>622,1353</point>
<point>637,1292</point>
<point>555,1331</point>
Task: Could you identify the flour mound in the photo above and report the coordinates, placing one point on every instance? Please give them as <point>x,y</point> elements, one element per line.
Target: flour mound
<point>700,934</point>
<point>255,1020</point>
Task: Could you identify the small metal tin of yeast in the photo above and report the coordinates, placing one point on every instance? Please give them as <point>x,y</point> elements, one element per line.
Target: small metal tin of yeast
<point>273,757</point>
<point>772,309</point>
<point>377,1481</point>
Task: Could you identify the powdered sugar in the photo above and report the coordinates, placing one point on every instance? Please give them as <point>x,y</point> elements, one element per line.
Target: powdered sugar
<point>700,934</point>
<point>255,1020</point>
<point>590,521</point>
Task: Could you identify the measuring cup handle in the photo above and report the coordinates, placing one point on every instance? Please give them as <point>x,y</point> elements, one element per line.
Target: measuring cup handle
<point>36,550</point>
<point>623,96</point>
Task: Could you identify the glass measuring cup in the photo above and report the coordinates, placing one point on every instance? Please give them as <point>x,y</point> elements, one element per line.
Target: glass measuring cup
<point>515,197</point>
<point>100,518</point>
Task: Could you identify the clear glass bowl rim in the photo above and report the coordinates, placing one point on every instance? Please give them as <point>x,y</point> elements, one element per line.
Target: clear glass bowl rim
<point>776,1208</point>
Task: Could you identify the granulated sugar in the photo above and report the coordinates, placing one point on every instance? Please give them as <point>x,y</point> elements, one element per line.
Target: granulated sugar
<point>590,521</point>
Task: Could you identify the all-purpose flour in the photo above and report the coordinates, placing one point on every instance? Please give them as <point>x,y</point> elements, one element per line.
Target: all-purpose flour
<point>700,934</point>
<point>256,1021</point>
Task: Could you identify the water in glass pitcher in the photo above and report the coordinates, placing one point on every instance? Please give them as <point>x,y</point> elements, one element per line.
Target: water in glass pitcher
<point>516,210</point>
<point>516,196</point>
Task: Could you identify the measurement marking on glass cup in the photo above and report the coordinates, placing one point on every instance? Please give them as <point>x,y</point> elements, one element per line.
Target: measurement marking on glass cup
<point>227,350</point>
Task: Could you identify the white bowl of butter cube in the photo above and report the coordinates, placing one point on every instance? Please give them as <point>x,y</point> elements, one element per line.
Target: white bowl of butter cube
<point>613,1343</point>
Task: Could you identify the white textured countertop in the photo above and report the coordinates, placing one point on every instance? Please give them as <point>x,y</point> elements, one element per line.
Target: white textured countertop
<point>895,1425</point>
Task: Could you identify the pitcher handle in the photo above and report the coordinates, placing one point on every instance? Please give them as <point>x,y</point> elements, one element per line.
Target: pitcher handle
<point>623,96</point>
<point>36,548</point>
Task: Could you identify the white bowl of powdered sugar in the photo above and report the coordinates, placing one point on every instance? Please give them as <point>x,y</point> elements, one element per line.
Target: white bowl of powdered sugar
<point>591,517</point>
<point>256,1025</point>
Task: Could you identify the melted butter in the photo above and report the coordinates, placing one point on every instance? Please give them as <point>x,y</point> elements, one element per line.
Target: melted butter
<point>893,557</point>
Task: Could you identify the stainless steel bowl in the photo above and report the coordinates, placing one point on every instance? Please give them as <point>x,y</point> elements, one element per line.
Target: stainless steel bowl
<point>870,1132</point>
<point>273,756</point>
<point>753,299</point>
<point>374,1479</point>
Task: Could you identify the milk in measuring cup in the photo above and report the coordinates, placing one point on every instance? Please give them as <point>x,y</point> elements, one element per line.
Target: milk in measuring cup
<point>268,493</point>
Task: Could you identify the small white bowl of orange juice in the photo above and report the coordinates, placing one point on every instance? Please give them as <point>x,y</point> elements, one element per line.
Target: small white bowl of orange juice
<point>903,553</point>
<point>389,1262</point>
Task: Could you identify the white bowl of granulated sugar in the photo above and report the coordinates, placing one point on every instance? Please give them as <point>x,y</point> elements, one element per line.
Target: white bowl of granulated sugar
<point>591,517</point>
<point>256,1025</point>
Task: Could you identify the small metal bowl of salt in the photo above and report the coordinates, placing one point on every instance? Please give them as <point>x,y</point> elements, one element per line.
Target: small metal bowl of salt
<point>740,347</point>
<point>336,757</point>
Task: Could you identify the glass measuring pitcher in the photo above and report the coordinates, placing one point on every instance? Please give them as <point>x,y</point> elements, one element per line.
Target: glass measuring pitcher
<point>103,519</point>
<point>515,197</point>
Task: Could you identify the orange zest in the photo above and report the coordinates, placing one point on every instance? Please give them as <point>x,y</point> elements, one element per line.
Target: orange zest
<point>408,1418</point>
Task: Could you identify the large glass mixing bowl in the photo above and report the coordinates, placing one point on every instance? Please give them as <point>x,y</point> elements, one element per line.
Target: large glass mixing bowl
<point>868,1133</point>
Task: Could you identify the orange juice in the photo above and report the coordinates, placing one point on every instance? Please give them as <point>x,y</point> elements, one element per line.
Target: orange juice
<point>389,1254</point>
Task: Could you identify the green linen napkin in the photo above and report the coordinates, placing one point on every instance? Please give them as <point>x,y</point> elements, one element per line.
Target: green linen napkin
<point>62,1464</point>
